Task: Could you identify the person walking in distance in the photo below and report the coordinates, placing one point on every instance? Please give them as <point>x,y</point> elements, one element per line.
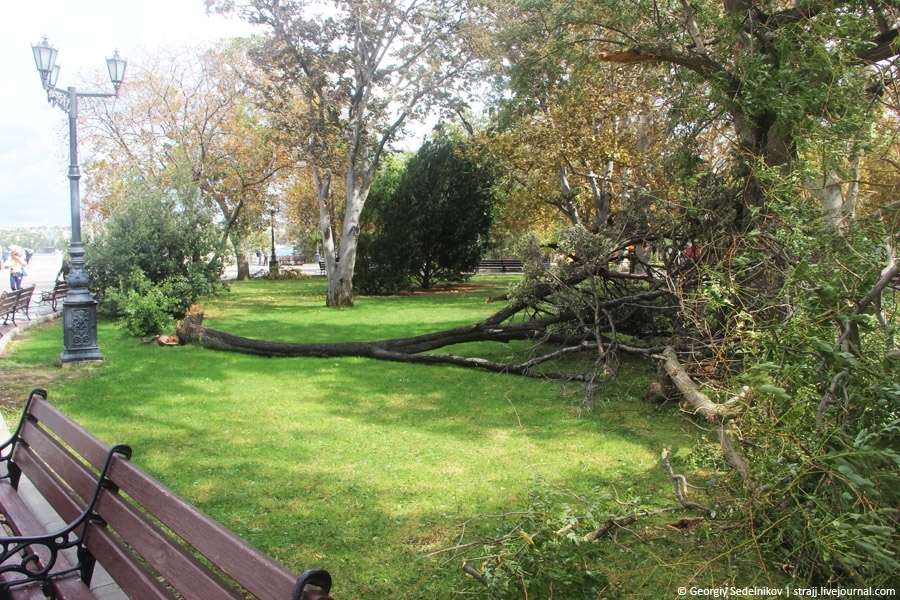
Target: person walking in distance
<point>16,268</point>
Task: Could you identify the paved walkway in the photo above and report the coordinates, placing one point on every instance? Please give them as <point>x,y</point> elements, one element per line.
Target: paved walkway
<point>42,271</point>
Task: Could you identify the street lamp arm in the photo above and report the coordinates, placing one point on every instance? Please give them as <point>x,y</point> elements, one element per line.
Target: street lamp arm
<point>61,98</point>
<point>58,98</point>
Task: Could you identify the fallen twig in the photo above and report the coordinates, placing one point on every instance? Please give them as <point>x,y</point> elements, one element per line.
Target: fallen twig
<point>608,525</point>
<point>679,481</point>
<point>474,573</point>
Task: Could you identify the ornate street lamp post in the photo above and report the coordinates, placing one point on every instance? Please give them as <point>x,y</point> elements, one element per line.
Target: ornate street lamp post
<point>273,262</point>
<point>79,307</point>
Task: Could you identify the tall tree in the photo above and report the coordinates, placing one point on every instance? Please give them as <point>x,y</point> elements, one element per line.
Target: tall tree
<point>576,140</point>
<point>191,111</point>
<point>345,77</point>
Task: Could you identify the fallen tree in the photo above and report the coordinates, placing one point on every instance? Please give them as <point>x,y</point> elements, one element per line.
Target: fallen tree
<point>582,309</point>
<point>418,349</point>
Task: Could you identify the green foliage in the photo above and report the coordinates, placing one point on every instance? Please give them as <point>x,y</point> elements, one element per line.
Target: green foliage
<point>432,221</point>
<point>158,245</point>
<point>144,308</point>
<point>543,551</point>
<point>821,400</point>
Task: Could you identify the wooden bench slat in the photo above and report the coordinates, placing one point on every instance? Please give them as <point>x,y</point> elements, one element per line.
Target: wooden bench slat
<point>82,441</point>
<point>60,460</point>
<point>71,587</point>
<point>255,571</point>
<point>18,515</point>
<point>56,493</point>
<point>181,569</point>
<point>60,496</point>
<point>134,579</point>
<point>20,519</point>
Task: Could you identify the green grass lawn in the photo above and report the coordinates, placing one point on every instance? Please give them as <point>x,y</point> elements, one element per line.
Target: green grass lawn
<point>365,467</point>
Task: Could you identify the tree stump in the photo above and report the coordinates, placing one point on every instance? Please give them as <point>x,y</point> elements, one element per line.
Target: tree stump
<point>188,329</point>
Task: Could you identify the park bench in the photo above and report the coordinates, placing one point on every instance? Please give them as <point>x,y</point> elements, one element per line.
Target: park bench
<point>23,302</point>
<point>8,302</point>
<point>321,267</point>
<point>59,291</point>
<point>500,265</point>
<point>148,540</point>
<point>15,301</point>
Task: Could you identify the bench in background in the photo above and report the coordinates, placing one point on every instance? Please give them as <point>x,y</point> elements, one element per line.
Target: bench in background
<point>59,291</point>
<point>500,265</point>
<point>8,302</point>
<point>15,301</point>
<point>24,301</point>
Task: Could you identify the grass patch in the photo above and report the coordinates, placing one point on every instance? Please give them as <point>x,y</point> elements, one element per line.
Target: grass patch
<point>365,467</point>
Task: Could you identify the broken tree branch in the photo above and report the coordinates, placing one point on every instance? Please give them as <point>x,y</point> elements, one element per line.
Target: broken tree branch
<point>679,482</point>
<point>732,456</point>
<point>700,403</point>
<point>478,576</point>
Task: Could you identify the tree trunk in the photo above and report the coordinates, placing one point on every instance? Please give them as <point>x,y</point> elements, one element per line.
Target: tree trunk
<point>240,256</point>
<point>333,296</point>
<point>340,284</point>
<point>243,265</point>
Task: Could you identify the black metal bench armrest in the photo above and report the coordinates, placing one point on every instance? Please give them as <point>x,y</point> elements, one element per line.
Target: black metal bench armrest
<point>6,448</point>
<point>319,578</point>
<point>17,555</point>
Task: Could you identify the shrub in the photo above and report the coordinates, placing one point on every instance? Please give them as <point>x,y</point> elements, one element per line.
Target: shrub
<point>150,261</point>
<point>143,308</point>
<point>432,219</point>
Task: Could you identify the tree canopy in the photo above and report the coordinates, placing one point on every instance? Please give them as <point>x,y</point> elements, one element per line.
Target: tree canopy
<point>431,221</point>
<point>191,112</point>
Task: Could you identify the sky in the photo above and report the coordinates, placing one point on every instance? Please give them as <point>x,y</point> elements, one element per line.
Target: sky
<point>34,150</point>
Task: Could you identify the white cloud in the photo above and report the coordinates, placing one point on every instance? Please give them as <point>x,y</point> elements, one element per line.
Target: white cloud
<point>34,189</point>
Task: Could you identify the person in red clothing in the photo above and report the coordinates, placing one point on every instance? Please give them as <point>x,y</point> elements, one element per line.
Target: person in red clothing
<point>692,251</point>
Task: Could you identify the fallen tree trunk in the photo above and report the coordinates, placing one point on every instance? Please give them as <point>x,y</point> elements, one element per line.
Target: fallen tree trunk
<point>560,330</point>
<point>481,332</point>
<point>410,350</point>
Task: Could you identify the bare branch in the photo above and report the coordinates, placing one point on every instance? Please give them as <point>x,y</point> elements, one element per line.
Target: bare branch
<point>679,482</point>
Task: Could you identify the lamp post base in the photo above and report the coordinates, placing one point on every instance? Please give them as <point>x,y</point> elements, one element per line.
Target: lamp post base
<point>80,332</point>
